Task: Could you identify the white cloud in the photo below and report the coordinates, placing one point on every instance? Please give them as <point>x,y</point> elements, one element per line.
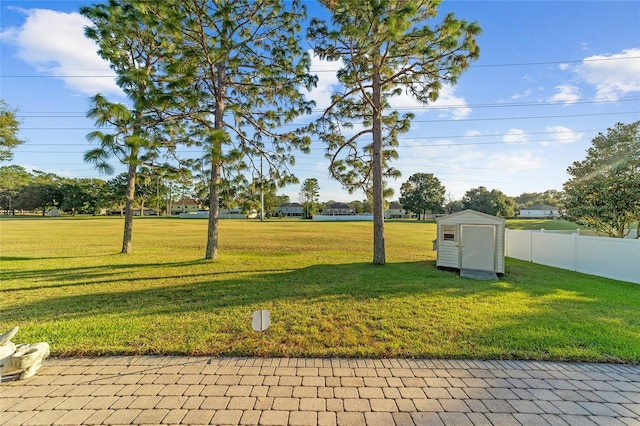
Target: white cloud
<point>455,105</point>
<point>461,167</point>
<point>471,133</point>
<point>525,94</point>
<point>415,155</point>
<point>327,80</point>
<point>54,44</point>
<point>514,162</point>
<point>564,134</point>
<point>567,94</point>
<point>564,67</point>
<point>448,104</point>
<point>515,136</point>
<point>612,75</point>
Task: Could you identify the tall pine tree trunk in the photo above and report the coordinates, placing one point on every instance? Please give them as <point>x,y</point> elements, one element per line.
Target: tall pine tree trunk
<point>212,227</point>
<point>378,198</point>
<point>128,209</point>
<point>216,164</point>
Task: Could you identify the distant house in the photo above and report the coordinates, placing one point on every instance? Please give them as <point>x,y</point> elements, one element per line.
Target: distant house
<point>290,210</point>
<point>136,212</point>
<point>146,212</point>
<point>540,211</point>
<point>338,209</point>
<point>395,211</point>
<point>236,213</point>
<point>186,205</point>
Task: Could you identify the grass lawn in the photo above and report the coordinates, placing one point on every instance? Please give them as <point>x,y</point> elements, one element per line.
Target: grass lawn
<point>63,281</point>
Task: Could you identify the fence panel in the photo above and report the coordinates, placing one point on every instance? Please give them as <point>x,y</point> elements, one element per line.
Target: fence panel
<point>555,250</point>
<point>615,258</point>
<point>518,244</point>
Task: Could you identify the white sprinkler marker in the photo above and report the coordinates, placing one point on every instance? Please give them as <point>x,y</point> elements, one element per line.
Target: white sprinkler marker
<point>261,320</point>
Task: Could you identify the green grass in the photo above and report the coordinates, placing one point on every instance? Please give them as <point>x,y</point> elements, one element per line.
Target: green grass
<point>63,281</point>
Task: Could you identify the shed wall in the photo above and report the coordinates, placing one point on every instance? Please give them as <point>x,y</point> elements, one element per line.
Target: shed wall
<point>448,254</point>
<point>449,251</point>
<point>500,250</point>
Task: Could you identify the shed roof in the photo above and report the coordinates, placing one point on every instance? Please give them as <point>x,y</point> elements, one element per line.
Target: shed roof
<point>470,214</point>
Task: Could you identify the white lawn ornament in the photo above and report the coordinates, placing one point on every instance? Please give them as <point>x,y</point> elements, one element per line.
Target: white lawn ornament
<point>261,320</point>
<point>24,359</point>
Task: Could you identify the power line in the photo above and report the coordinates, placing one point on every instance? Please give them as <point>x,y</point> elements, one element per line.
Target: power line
<point>417,107</point>
<point>474,136</point>
<point>306,168</point>
<point>462,120</point>
<point>553,62</point>
<point>514,64</point>
<point>515,104</point>
<point>400,147</point>
<point>525,117</point>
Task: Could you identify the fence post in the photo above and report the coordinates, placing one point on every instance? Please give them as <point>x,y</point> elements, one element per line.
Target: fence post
<point>575,252</point>
<point>506,242</point>
<point>530,246</point>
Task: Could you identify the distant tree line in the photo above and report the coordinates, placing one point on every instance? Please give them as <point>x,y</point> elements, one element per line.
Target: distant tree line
<point>423,194</point>
<point>21,190</point>
<point>158,190</point>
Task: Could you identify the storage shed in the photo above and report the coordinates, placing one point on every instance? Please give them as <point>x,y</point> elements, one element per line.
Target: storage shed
<point>471,241</point>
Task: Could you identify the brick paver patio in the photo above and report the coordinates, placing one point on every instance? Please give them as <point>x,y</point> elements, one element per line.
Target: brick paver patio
<point>294,391</point>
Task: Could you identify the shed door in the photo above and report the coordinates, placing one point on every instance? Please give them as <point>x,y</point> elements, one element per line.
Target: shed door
<point>478,247</point>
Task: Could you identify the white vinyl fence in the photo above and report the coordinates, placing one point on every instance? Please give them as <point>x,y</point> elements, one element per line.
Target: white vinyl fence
<point>343,218</point>
<point>617,258</point>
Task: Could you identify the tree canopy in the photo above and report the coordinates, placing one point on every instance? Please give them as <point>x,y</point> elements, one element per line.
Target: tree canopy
<point>12,179</point>
<point>9,127</point>
<point>423,192</point>
<point>309,196</point>
<point>527,199</point>
<point>604,190</point>
<point>493,202</point>
<point>387,47</point>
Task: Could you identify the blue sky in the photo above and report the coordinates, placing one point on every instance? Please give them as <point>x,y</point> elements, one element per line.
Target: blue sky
<point>551,75</point>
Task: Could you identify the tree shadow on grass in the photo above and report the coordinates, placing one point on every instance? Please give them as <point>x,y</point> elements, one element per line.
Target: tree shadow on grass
<point>208,289</point>
<point>185,291</point>
<point>18,258</point>
<point>103,291</point>
<point>108,275</point>
<point>402,309</point>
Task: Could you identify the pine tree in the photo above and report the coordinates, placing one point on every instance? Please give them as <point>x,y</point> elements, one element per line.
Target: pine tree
<point>387,47</point>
